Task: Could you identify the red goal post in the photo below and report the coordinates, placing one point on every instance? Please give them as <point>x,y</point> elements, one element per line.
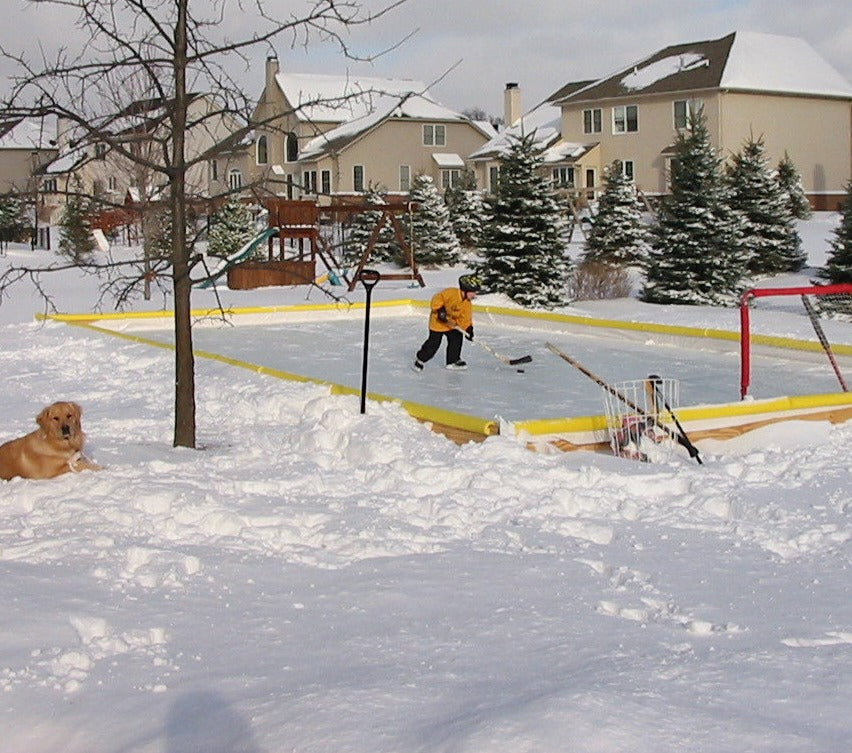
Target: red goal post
<point>745,319</point>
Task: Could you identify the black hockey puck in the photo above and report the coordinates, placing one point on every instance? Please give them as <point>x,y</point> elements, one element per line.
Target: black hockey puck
<point>520,371</point>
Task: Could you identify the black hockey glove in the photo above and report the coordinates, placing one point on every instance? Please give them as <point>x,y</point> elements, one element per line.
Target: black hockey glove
<point>469,331</point>
<point>442,315</point>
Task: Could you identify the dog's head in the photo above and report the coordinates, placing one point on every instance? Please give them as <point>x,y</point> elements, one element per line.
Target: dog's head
<point>61,421</point>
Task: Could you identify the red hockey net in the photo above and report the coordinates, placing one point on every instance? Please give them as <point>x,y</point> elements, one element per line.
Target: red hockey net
<point>828,300</point>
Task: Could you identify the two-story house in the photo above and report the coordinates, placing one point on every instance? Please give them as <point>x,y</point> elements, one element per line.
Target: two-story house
<point>747,84</point>
<point>319,136</point>
<point>97,160</point>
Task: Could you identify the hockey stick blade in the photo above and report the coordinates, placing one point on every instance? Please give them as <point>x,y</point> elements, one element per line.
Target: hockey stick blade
<point>498,356</point>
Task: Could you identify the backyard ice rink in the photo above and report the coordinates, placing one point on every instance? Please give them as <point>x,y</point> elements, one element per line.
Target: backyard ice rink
<point>708,371</point>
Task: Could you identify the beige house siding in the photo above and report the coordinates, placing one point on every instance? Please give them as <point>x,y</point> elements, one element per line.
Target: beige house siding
<point>644,147</point>
<point>392,144</point>
<point>16,168</point>
<point>815,132</point>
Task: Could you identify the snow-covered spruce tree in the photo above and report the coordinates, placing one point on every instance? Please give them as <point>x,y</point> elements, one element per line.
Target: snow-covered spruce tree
<point>361,228</point>
<point>696,256</point>
<point>619,235</point>
<point>838,267</point>
<point>523,244</point>
<point>231,227</point>
<point>791,186</point>
<point>75,230</point>
<point>468,210</point>
<point>430,233</point>
<point>770,239</point>
<point>13,224</point>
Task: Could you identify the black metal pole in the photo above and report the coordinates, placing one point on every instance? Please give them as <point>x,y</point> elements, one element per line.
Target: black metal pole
<point>369,278</point>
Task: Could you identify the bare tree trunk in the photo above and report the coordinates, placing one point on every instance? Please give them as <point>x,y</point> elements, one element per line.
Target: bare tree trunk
<point>184,433</point>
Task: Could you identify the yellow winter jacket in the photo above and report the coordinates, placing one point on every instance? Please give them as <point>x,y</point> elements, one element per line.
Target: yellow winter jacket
<point>459,310</point>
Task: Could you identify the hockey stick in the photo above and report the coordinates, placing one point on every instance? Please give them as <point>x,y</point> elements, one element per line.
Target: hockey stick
<point>499,356</point>
<point>690,448</point>
<point>823,340</point>
<point>684,440</point>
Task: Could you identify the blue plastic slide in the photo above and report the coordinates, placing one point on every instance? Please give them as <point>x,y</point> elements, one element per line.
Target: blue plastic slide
<point>239,255</point>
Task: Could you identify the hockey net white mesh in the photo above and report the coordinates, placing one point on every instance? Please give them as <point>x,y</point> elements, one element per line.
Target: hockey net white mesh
<point>639,418</point>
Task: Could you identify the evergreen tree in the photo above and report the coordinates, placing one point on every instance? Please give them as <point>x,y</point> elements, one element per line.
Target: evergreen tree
<point>695,257</point>
<point>619,235</point>
<point>361,228</point>
<point>523,245</point>
<point>430,233</point>
<point>13,224</point>
<point>791,186</point>
<point>75,230</point>
<point>838,268</point>
<point>468,210</point>
<point>770,239</point>
<point>231,227</point>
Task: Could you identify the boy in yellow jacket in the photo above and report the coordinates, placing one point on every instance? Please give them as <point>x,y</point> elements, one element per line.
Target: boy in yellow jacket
<point>451,311</point>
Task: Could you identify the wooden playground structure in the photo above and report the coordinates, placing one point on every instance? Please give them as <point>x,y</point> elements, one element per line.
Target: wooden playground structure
<point>301,244</point>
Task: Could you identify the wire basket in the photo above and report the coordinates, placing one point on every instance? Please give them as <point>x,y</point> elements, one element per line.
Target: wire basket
<point>639,418</point>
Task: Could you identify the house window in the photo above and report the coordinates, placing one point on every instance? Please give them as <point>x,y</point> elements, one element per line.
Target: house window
<point>563,177</point>
<point>325,182</point>
<point>625,119</point>
<point>450,178</point>
<point>291,148</point>
<point>309,181</point>
<point>358,177</point>
<point>590,183</point>
<point>112,183</point>
<point>434,135</point>
<point>684,109</point>
<point>100,151</point>
<point>493,179</point>
<point>404,177</point>
<point>49,185</point>
<point>671,166</point>
<point>290,192</point>
<point>214,170</point>
<point>262,152</point>
<point>628,169</point>
<point>592,120</point>
<point>235,180</point>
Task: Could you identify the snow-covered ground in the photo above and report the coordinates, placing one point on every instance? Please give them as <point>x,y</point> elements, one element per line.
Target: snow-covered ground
<point>314,579</point>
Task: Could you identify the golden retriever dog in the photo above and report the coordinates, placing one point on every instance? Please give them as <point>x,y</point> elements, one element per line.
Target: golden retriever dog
<point>56,447</point>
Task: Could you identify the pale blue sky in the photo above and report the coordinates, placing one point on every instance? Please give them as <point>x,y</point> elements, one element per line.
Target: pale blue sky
<point>541,45</point>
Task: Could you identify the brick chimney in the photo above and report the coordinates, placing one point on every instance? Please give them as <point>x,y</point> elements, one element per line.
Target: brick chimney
<point>511,104</point>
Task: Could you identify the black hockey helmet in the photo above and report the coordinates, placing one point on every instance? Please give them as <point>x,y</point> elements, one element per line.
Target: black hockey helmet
<point>470,283</point>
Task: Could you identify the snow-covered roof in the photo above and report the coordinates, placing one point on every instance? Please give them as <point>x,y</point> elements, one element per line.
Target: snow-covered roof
<point>768,62</point>
<point>338,99</point>
<point>741,61</point>
<point>545,121</point>
<point>27,134</point>
<point>407,106</point>
<point>66,162</point>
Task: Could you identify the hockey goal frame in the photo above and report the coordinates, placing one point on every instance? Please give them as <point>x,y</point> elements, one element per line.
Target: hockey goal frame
<point>745,321</point>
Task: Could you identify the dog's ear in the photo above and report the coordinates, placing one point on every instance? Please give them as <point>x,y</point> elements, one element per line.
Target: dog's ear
<point>77,410</point>
<point>41,418</point>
